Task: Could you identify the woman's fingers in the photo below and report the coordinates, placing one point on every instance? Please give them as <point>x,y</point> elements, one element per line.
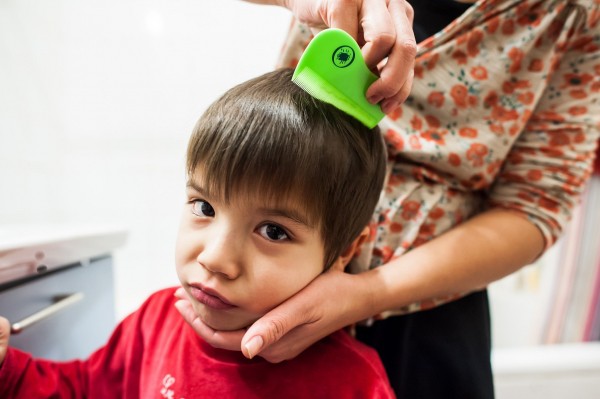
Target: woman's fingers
<point>378,32</point>
<point>388,105</point>
<point>396,76</point>
<point>273,326</point>
<point>270,328</point>
<point>342,14</point>
<point>180,293</point>
<point>229,340</point>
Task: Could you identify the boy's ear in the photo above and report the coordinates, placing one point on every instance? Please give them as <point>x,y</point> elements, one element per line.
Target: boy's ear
<point>346,256</point>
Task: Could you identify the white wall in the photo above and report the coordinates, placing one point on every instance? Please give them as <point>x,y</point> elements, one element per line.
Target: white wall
<point>97,100</point>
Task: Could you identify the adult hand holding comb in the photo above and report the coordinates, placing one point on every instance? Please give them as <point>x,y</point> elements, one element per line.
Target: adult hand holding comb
<point>382,28</point>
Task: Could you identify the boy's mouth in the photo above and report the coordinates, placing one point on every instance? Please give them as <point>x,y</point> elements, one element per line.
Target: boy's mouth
<point>209,297</point>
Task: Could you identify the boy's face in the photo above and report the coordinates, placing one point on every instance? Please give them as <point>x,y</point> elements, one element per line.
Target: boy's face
<point>237,261</point>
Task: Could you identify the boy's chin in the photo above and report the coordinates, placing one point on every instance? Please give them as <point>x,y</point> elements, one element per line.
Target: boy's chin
<point>227,325</point>
<point>223,321</point>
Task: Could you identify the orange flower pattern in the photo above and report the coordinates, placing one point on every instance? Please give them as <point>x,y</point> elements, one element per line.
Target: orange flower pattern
<point>504,112</point>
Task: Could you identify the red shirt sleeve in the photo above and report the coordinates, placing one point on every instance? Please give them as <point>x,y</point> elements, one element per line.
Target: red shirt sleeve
<point>21,376</point>
<point>111,371</point>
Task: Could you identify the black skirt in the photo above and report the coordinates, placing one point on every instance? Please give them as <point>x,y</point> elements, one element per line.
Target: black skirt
<point>441,353</point>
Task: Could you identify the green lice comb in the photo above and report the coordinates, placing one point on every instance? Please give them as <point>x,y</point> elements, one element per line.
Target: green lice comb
<point>333,70</point>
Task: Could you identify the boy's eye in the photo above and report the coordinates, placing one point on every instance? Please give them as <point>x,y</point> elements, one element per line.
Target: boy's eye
<point>273,232</point>
<point>203,209</point>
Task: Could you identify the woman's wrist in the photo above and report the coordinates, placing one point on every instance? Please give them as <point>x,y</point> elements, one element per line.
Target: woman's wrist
<point>371,294</point>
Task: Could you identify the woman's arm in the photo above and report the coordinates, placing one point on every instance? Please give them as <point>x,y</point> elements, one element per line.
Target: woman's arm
<point>468,257</point>
<point>383,29</point>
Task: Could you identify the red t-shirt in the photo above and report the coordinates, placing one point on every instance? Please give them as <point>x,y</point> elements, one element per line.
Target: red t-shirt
<point>153,353</point>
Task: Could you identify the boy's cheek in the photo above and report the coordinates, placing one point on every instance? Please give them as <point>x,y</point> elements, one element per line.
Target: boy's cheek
<point>185,244</point>
<point>179,254</point>
<point>185,261</point>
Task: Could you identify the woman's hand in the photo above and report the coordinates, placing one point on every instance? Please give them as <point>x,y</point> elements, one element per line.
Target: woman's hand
<point>332,301</point>
<point>383,28</point>
<point>4,336</point>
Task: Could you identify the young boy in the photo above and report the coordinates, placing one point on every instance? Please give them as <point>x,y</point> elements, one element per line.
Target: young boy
<point>280,188</point>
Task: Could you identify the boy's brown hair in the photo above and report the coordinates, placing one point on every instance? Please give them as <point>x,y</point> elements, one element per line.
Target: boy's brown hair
<point>267,138</point>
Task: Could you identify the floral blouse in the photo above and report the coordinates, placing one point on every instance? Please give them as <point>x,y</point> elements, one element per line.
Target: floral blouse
<point>504,112</point>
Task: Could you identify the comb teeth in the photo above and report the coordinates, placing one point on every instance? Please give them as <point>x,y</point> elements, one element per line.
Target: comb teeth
<point>310,81</point>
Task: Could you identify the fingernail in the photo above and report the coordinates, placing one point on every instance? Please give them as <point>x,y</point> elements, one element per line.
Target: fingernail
<point>374,99</point>
<point>253,346</point>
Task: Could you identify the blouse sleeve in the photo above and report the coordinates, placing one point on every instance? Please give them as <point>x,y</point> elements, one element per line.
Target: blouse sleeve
<point>548,165</point>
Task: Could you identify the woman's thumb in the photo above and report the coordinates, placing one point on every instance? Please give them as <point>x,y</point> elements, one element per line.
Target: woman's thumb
<point>266,331</point>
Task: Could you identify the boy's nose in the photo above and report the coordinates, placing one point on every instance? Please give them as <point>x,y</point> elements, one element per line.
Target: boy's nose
<point>221,255</point>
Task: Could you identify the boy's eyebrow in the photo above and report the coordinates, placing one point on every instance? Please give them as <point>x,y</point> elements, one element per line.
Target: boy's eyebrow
<point>193,185</point>
<point>288,213</point>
